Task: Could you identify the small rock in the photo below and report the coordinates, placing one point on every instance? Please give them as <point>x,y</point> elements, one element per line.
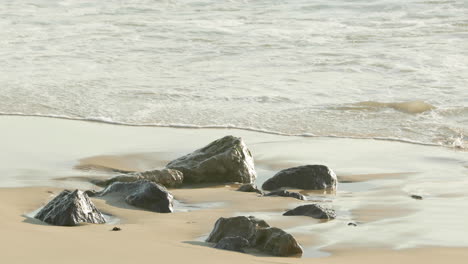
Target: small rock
<point>284,193</point>
<point>224,160</point>
<point>313,210</point>
<point>235,232</point>
<point>116,229</point>
<point>417,197</point>
<point>143,194</point>
<point>352,224</point>
<point>166,177</point>
<point>69,209</point>
<point>311,177</point>
<point>249,187</point>
<point>232,243</point>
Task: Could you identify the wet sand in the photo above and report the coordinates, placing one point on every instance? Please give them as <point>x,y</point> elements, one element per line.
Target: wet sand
<point>42,155</point>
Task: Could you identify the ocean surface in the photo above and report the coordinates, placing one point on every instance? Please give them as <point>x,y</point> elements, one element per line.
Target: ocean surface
<point>388,69</point>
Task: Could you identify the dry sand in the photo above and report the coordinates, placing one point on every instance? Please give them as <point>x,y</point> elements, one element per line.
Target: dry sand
<point>377,178</point>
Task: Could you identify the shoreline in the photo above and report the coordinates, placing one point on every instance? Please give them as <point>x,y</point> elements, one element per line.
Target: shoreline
<point>376,180</point>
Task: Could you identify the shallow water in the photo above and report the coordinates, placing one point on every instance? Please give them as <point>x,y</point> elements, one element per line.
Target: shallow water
<point>327,68</point>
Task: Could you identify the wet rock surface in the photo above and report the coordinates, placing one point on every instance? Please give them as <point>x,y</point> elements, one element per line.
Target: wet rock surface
<point>310,177</point>
<point>70,208</point>
<point>284,193</point>
<point>165,177</point>
<point>313,210</point>
<point>225,160</point>
<point>143,194</point>
<point>233,244</point>
<point>257,233</point>
<point>249,187</point>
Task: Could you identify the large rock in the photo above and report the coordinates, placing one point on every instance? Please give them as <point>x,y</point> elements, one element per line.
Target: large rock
<point>313,210</point>
<point>224,160</point>
<point>69,209</point>
<point>143,194</point>
<point>166,177</point>
<point>285,193</point>
<point>311,177</point>
<point>228,233</point>
<point>249,187</point>
<point>233,244</point>
<point>277,242</point>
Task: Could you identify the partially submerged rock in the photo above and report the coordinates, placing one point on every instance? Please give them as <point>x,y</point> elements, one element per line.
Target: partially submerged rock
<point>311,177</point>
<point>69,209</point>
<point>285,193</point>
<point>229,232</point>
<point>416,197</point>
<point>249,187</point>
<point>313,210</point>
<point>224,160</point>
<point>143,194</point>
<point>233,243</point>
<point>166,177</point>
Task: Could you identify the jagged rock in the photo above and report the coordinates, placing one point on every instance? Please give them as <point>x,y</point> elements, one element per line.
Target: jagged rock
<point>313,210</point>
<point>277,242</point>
<point>311,177</point>
<point>284,193</point>
<point>233,244</point>
<point>257,233</point>
<point>166,177</point>
<point>224,160</point>
<point>143,194</point>
<point>249,187</point>
<point>69,209</point>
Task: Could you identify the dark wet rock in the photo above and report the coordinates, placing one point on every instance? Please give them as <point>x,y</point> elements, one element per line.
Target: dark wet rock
<point>143,194</point>
<point>166,177</point>
<point>285,193</point>
<point>249,187</point>
<point>224,160</point>
<point>416,197</point>
<point>116,229</point>
<point>257,233</point>
<point>233,244</point>
<point>313,210</point>
<point>239,226</point>
<point>311,177</point>
<point>352,224</point>
<point>277,242</point>
<point>69,209</point>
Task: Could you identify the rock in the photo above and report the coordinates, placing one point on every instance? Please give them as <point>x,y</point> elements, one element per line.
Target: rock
<point>239,226</point>
<point>277,242</point>
<point>417,197</point>
<point>143,194</point>
<point>232,233</point>
<point>69,209</point>
<point>166,177</point>
<point>311,177</point>
<point>249,187</point>
<point>352,224</point>
<point>116,229</point>
<point>313,210</point>
<point>224,160</point>
<point>284,193</point>
<point>233,244</point>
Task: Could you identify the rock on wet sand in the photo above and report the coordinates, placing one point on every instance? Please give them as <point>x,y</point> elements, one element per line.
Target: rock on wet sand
<point>285,193</point>
<point>311,177</point>
<point>225,160</point>
<point>166,177</point>
<point>70,209</point>
<point>313,210</point>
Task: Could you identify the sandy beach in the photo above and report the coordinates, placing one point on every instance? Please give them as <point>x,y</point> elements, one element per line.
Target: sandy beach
<point>42,156</point>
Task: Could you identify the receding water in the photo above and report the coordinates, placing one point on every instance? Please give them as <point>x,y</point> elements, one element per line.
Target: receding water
<point>318,68</point>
